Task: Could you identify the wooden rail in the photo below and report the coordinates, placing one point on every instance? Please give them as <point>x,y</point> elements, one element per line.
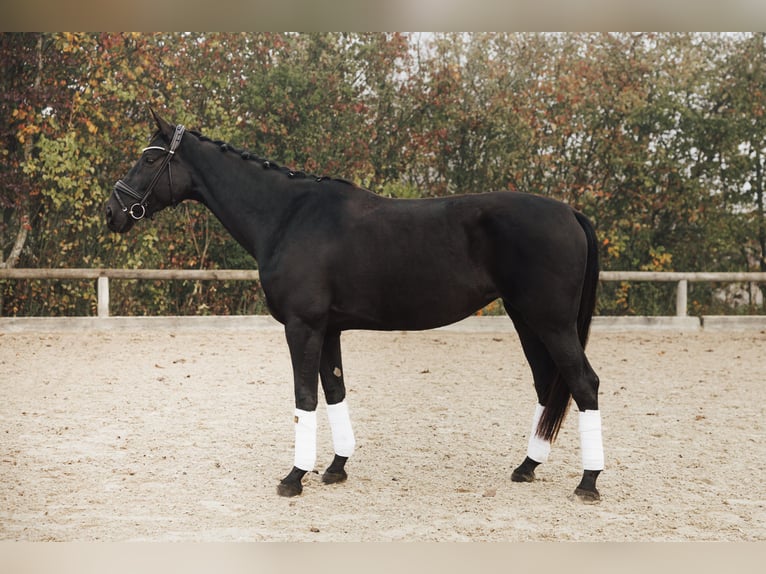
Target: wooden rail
<point>150,274</point>
<point>102,277</point>
<point>683,278</point>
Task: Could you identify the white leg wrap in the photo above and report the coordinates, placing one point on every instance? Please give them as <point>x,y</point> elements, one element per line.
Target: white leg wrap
<point>305,439</point>
<point>538,449</point>
<point>591,444</point>
<point>340,424</point>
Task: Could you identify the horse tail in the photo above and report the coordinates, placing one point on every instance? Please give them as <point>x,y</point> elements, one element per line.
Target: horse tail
<point>559,396</point>
<point>590,282</point>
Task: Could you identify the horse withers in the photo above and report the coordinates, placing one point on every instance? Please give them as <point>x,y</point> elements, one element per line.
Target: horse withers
<point>333,256</point>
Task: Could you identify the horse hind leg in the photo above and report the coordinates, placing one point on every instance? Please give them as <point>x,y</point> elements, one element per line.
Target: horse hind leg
<point>583,384</point>
<point>592,448</point>
<point>585,395</point>
<point>331,375</point>
<point>543,373</point>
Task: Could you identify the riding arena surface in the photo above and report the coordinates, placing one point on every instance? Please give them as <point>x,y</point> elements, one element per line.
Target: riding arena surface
<point>183,434</point>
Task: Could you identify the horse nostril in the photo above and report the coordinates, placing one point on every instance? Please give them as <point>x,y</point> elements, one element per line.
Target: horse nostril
<point>108,213</point>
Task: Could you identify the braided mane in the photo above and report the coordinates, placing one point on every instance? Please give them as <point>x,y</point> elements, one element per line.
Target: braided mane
<point>266,163</point>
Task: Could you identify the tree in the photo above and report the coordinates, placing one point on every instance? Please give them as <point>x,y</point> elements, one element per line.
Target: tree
<point>740,103</point>
<point>657,137</point>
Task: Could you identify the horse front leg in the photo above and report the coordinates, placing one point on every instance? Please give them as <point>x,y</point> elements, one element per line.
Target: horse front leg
<point>331,375</point>
<point>305,343</point>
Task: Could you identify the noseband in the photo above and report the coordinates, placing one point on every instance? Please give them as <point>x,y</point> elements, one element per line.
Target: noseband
<point>138,209</point>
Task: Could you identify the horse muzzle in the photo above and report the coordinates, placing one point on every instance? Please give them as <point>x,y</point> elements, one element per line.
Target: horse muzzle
<point>117,220</point>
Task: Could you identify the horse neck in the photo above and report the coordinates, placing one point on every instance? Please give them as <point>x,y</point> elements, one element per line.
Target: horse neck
<point>250,200</point>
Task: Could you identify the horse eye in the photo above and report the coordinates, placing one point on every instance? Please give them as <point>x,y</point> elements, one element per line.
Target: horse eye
<point>150,159</point>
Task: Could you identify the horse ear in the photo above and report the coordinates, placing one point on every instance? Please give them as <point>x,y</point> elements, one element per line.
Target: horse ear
<point>165,128</point>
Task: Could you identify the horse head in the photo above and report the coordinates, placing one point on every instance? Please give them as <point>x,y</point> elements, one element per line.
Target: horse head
<point>157,180</point>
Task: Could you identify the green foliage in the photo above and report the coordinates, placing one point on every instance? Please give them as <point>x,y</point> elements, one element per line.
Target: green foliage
<point>658,138</point>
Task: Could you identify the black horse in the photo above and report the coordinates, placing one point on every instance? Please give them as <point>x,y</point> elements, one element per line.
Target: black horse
<point>333,256</point>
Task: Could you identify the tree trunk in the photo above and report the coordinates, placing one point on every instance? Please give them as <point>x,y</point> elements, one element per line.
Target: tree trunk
<point>18,244</point>
<point>761,218</point>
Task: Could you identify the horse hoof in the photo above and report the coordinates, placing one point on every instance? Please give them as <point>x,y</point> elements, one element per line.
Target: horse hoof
<point>586,496</point>
<point>289,489</point>
<point>334,477</point>
<point>518,476</point>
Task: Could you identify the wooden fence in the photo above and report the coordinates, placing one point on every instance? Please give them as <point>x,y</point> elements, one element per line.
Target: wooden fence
<point>102,277</point>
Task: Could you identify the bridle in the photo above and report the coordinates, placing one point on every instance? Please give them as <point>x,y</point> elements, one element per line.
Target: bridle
<point>138,209</point>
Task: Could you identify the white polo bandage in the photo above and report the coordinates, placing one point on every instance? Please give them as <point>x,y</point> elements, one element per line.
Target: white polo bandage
<point>340,425</point>
<point>305,439</point>
<point>538,449</point>
<point>591,443</point>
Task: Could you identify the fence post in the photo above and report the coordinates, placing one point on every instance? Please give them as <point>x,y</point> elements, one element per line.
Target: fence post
<point>102,291</point>
<point>681,295</point>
